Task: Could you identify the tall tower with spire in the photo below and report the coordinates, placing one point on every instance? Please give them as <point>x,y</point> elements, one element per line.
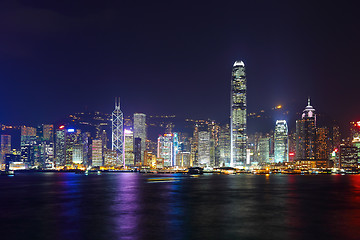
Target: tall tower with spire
<point>306,134</point>
<point>117,130</point>
<point>238,115</point>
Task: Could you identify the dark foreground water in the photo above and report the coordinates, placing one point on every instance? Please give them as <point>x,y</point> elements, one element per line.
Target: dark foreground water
<point>129,206</point>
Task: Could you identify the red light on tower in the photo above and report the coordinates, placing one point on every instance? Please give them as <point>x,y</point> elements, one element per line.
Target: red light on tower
<point>358,124</point>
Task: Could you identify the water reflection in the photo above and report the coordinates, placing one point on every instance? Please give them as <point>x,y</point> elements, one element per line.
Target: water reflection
<point>127,206</point>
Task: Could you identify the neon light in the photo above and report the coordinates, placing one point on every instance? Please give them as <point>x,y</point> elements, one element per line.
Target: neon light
<point>291,154</point>
<point>62,127</point>
<point>127,131</point>
<point>71,130</point>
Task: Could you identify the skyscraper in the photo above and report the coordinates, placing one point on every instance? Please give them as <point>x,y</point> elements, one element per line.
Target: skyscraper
<point>5,146</point>
<point>78,154</point>
<point>97,156</point>
<point>128,148</point>
<point>264,150</point>
<point>306,134</point>
<point>60,146</point>
<point>48,132</point>
<point>165,149</point>
<point>224,145</point>
<point>238,115</point>
<point>28,142</point>
<point>194,147</point>
<point>71,138</point>
<point>117,130</point>
<point>140,131</point>
<point>281,142</point>
<point>204,148</point>
<point>322,143</point>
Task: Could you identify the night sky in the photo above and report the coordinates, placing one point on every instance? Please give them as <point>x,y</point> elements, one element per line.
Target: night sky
<point>175,57</point>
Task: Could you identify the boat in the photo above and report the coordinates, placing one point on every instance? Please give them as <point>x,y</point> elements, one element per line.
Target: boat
<point>7,173</point>
<point>195,170</point>
<point>88,172</point>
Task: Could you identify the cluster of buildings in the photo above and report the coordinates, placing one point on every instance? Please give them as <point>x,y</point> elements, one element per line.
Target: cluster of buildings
<point>117,142</point>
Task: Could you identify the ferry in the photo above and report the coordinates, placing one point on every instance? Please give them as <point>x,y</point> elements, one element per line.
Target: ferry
<point>195,170</point>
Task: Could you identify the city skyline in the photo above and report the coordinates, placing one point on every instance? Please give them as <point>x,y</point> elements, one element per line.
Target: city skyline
<point>179,119</point>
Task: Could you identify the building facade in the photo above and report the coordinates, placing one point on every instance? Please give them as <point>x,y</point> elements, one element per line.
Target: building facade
<point>281,142</point>
<point>117,129</point>
<point>306,135</point>
<point>140,131</point>
<point>238,115</point>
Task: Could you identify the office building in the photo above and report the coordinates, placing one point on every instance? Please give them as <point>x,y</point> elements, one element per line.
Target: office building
<point>110,158</point>
<point>322,144</point>
<point>238,116</point>
<point>97,153</point>
<point>281,142</point>
<point>48,132</point>
<point>224,146</point>
<point>140,131</point>
<point>165,149</point>
<point>204,148</point>
<point>264,150</point>
<point>129,148</point>
<point>5,146</point>
<point>60,147</point>
<point>117,131</point>
<point>349,158</point>
<point>306,134</point>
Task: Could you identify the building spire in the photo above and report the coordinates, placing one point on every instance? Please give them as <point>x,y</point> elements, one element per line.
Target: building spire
<point>117,102</point>
<point>309,101</point>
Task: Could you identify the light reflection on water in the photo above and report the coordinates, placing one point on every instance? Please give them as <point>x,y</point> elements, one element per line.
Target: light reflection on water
<point>127,206</point>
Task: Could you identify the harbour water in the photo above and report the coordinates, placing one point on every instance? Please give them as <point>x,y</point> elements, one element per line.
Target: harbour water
<point>141,206</point>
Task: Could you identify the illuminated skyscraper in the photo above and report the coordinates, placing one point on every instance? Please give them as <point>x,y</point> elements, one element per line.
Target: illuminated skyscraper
<point>165,149</point>
<point>28,142</point>
<point>97,156</point>
<point>194,147</point>
<point>204,148</point>
<point>110,157</point>
<point>349,158</point>
<point>281,142</point>
<point>238,115</point>
<point>78,154</point>
<point>224,145</point>
<point>175,148</point>
<point>306,134</point>
<point>59,146</point>
<point>322,143</point>
<point>264,150</point>
<point>5,146</point>
<point>128,148</point>
<point>117,130</point>
<point>71,137</point>
<point>48,132</point>
<point>28,135</point>
<point>140,131</point>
